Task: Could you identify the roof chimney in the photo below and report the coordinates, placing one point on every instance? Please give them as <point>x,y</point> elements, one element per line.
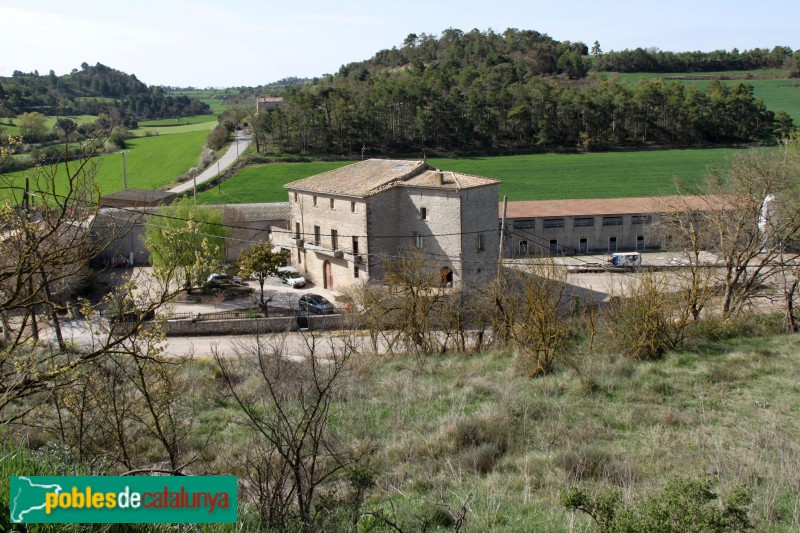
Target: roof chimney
<point>439,177</point>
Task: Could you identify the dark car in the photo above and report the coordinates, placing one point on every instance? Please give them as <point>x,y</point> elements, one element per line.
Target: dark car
<point>315,304</point>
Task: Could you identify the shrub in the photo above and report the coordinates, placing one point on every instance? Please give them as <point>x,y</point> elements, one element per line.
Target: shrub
<point>683,505</point>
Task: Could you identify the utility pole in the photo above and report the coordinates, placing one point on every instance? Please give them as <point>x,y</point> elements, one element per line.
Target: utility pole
<point>503,230</point>
<point>124,172</point>
<point>194,187</point>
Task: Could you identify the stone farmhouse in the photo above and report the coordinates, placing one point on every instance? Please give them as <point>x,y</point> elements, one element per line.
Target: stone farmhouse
<point>345,223</point>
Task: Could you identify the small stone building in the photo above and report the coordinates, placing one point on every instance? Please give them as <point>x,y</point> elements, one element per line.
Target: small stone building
<point>345,223</point>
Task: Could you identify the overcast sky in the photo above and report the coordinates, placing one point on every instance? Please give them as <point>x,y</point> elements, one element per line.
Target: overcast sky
<point>220,43</point>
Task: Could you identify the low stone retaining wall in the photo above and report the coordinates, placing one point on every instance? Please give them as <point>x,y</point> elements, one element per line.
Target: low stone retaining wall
<point>247,326</point>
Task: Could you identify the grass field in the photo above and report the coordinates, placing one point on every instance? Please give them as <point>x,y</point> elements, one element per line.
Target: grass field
<point>151,162</point>
<point>174,128</point>
<point>177,122</point>
<point>524,177</point>
<point>12,129</point>
<point>263,183</point>
<point>778,92</point>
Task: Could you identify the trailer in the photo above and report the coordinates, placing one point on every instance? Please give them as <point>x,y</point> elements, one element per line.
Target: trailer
<point>626,259</point>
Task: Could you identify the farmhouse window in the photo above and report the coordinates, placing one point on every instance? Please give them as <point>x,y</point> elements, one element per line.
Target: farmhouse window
<point>296,230</point>
<point>423,213</point>
<point>295,197</point>
<point>334,239</point>
<point>583,222</point>
<point>640,219</point>
<point>525,224</point>
<point>317,233</point>
<point>550,223</point>
<point>479,242</point>
<point>612,221</point>
<point>355,271</point>
<point>352,207</point>
<point>355,245</point>
<point>315,201</point>
<point>417,240</point>
<point>332,203</point>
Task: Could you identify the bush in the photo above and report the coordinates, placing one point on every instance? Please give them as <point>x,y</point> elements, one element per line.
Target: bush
<point>683,505</point>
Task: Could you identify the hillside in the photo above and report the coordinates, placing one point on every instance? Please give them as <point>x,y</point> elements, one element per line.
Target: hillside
<point>516,92</point>
<point>90,91</point>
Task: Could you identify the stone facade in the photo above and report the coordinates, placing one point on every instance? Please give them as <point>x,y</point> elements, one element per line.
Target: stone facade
<point>346,223</point>
<point>591,226</point>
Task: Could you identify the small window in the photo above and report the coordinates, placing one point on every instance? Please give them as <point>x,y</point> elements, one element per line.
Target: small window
<point>334,239</point>
<point>583,222</point>
<point>479,242</point>
<point>355,271</point>
<point>332,203</point>
<point>423,213</point>
<point>352,207</point>
<point>317,233</point>
<point>612,221</point>
<point>295,197</point>
<point>417,240</point>
<point>553,223</point>
<point>355,245</point>
<point>315,201</point>
<point>296,230</point>
<point>525,224</point>
<point>640,219</point>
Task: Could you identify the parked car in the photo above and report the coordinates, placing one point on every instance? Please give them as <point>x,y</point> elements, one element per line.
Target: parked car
<point>292,277</point>
<point>119,261</point>
<point>222,280</point>
<point>315,304</point>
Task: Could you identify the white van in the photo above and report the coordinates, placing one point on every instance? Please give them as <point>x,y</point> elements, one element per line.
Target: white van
<point>292,277</point>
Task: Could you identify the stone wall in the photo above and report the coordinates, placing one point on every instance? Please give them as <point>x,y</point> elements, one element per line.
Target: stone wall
<point>249,326</point>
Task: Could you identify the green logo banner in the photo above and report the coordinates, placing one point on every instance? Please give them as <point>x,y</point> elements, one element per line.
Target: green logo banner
<point>120,499</point>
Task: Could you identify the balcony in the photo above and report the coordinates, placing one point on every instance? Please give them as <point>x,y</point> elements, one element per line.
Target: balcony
<point>323,250</point>
<point>353,257</point>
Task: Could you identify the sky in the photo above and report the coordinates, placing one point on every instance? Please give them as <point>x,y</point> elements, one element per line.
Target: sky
<point>223,43</point>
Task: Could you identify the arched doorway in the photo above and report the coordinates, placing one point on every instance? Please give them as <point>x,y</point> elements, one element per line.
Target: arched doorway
<point>446,276</point>
<point>327,275</point>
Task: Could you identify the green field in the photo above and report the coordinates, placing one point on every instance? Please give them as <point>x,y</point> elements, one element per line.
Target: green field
<point>151,162</point>
<point>778,92</point>
<point>524,177</point>
<point>174,128</point>
<point>177,122</point>
<point>12,129</point>
<point>263,183</point>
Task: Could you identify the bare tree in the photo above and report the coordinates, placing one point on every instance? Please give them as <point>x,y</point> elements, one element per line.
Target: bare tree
<point>288,403</point>
<point>748,217</point>
<point>47,240</point>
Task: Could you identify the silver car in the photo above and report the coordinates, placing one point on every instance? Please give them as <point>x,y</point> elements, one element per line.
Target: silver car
<point>292,277</point>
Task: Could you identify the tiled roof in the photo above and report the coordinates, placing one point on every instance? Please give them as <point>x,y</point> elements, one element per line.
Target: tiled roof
<point>606,206</point>
<point>448,180</point>
<point>369,177</point>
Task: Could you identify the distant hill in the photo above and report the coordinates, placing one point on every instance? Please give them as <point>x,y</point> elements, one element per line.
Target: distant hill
<point>90,91</point>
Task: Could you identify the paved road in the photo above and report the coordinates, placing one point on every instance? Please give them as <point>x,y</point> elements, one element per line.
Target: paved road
<point>228,158</point>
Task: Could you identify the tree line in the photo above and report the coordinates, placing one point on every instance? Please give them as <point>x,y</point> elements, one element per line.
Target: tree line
<point>90,91</point>
<point>654,60</point>
<point>449,108</point>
